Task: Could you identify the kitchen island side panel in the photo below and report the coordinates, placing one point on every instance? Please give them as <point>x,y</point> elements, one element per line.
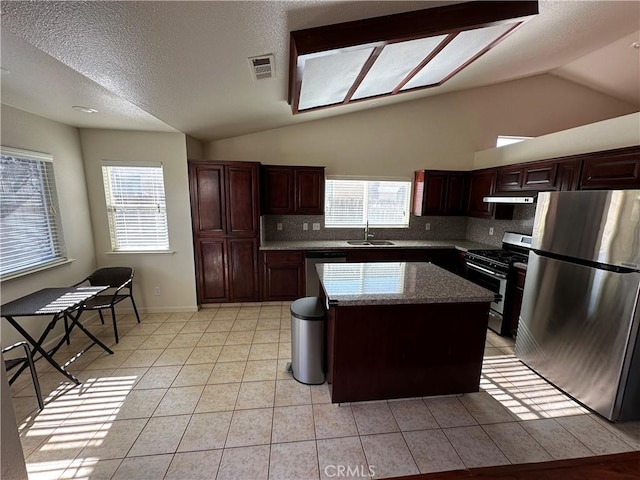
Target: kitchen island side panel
<point>410,350</point>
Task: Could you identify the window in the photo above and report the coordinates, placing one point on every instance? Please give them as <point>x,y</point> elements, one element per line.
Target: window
<point>136,206</point>
<point>503,140</point>
<point>30,227</point>
<point>353,203</point>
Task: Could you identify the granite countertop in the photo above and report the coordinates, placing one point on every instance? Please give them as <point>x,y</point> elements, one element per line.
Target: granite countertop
<point>389,283</point>
<point>463,245</point>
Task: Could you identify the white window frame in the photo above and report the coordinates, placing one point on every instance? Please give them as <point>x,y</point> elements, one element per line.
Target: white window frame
<point>118,223</point>
<point>24,249</point>
<point>367,199</point>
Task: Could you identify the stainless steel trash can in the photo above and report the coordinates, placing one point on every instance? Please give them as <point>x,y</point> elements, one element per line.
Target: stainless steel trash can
<point>307,340</point>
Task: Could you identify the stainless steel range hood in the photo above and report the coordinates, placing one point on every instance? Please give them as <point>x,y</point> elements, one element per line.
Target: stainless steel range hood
<point>512,197</point>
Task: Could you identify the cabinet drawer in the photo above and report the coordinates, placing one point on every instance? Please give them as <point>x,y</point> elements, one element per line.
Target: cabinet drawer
<point>283,257</point>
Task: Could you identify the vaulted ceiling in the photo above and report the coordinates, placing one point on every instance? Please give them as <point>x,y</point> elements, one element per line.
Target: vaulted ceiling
<point>168,66</point>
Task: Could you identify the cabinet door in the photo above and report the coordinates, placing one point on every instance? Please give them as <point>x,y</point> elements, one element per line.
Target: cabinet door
<point>429,192</point>
<point>243,202</point>
<point>208,199</point>
<point>366,254</point>
<point>456,199</point>
<point>309,191</point>
<point>540,176</point>
<point>211,271</point>
<point>568,175</point>
<point>480,185</point>
<point>509,179</point>
<point>277,189</point>
<point>614,171</point>
<point>243,269</point>
<point>282,275</point>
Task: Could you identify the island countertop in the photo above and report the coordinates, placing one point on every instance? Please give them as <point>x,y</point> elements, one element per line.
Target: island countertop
<point>392,283</point>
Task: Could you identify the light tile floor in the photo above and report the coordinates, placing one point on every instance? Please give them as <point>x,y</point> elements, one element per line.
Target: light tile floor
<point>206,395</point>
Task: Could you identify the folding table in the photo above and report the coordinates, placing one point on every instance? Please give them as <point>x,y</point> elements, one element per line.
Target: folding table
<point>62,303</point>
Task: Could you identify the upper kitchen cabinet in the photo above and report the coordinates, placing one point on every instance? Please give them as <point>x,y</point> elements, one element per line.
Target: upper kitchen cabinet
<point>537,176</point>
<point>289,190</point>
<point>481,184</point>
<point>224,198</point>
<point>438,192</point>
<point>612,169</point>
<point>568,175</point>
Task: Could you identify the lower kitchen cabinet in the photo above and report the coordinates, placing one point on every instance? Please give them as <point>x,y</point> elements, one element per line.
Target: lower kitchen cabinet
<point>442,257</point>
<point>227,270</point>
<point>515,300</point>
<point>283,275</point>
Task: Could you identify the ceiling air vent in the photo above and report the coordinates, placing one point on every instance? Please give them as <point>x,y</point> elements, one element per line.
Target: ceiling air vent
<point>262,67</point>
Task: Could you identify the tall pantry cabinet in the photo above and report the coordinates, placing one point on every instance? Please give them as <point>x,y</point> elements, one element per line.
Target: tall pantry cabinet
<point>225,214</point>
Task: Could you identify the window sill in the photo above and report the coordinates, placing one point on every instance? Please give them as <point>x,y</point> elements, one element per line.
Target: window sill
<point>141,252</point>
<point>39,269</point>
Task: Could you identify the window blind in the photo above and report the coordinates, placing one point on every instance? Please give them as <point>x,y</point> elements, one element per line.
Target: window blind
<point>136,206</point>
<point>353,203</point>
<point>30,226</point>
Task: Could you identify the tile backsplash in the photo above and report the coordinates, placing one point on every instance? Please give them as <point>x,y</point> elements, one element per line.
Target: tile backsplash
<point>441,228</point>
<point>478,228</point>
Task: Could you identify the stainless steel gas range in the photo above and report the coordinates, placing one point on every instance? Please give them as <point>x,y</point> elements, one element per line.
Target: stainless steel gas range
<point>493,269</point>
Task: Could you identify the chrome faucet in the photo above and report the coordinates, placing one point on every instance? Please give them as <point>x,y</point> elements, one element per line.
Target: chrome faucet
<point>367,235</point>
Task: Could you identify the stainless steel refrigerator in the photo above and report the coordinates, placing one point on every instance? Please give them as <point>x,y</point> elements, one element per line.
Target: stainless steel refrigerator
<point>580,313</point>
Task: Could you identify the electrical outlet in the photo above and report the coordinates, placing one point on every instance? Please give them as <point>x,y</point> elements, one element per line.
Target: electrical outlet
<point>156,291</point>
<point>316,226</point>
<point>279,226</point>
<point>305,226</point>
<point>490,230</point>
<point>427,226</point>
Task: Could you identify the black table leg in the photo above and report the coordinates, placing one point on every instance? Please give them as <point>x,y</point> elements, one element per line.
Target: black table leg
<point>75,322</point>
<point>37,347</point>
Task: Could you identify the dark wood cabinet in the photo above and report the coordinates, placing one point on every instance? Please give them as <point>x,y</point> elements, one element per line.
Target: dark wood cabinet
<point>439,192</point>
<point>539,176</point>
<point>443,257</point>
<point>509,179</point>
<point>288,190</point>
<point>309,190</point>
<point>614,169</point>
<point>224,198</point>
<point>515,300</point>
<point>481,184</point>
<point>283,275</point>
<point>568,175</point>
<point>243,269</point>
<point>536,176</point>
<point>368,254</point>
<point>225,220</point>
<point>211,267</point>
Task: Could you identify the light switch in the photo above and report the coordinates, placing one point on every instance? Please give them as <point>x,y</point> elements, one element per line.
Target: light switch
<point>305,226</point>
<point>490,230</point>
<point>427,226</point>
<point>279,226</point>
<point>316,226</point>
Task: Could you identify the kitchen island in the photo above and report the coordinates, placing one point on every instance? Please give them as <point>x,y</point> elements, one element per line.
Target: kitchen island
<point>401,329</point>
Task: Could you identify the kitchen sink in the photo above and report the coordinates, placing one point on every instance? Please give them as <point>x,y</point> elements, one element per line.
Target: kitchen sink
<point>369,242</point>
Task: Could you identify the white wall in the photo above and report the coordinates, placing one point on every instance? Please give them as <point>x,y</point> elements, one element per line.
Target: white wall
<point>30,132</point>
<point>435,132</point>
<point>605,135</point>
<point>195,148</point>
<point>173,273</point>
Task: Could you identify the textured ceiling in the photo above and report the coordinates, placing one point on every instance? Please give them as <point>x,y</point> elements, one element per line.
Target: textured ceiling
<point>183,65</point>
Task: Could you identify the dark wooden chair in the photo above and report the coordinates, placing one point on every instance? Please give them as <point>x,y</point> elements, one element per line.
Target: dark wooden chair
<point>120,282</point>
<point>27,359</point>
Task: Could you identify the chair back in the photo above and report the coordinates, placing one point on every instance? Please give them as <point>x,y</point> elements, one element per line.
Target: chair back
<point>112,276</point>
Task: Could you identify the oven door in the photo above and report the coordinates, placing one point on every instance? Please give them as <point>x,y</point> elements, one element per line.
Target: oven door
<point>497,283</point>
